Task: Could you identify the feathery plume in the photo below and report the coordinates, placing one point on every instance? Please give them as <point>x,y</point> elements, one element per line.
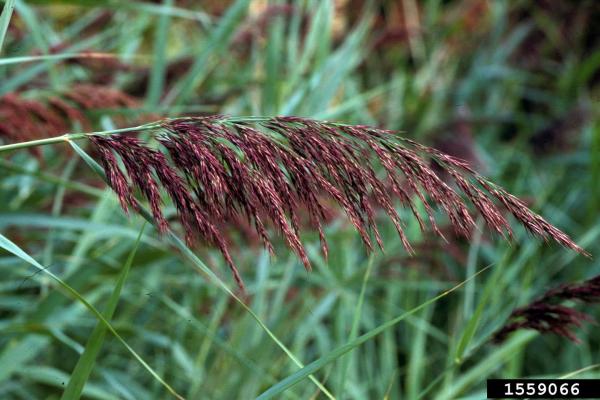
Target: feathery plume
<point>547,315</point>
<point>217,169</point>
<point>90,97</point>
<point>22,119</point>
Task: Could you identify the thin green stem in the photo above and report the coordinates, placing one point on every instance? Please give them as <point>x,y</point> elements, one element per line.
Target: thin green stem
<point>34,143</point>
<point>67,56</point>
<point>74,136</point>
<point>149,126</point>
<point>83,135</point>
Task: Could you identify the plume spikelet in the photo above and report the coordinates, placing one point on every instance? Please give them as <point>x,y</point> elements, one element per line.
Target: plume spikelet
<point>22,119</point>
<point>547,315</point>
<point>266,170</point>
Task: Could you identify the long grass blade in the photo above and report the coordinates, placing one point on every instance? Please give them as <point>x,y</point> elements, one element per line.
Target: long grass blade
<point>86,362</point>
<point>157,73</point>
<point>321,362</point>
<point>12,248</point>
<point>146,7</point>
<point>215,45</point>
<point>356,319</point>
<point>7,12</point>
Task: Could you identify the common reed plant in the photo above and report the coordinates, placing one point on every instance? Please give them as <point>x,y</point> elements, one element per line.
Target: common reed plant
<point>430,273</point>
<point>266,170</point>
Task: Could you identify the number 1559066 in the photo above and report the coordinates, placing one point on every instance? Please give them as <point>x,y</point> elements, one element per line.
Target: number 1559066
<point>543,388</point>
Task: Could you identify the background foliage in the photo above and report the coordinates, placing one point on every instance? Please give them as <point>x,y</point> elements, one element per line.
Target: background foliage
<point>510,86</point>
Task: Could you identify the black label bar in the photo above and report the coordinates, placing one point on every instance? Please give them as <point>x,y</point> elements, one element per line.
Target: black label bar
<point>543,388</point>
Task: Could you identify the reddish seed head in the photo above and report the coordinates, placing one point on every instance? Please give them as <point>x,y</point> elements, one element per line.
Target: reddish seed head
<point>23,120</point>
<point>547,315</point>
<point>219,170</point>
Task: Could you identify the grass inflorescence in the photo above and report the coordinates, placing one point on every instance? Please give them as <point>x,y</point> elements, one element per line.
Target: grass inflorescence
<point>218,170</point>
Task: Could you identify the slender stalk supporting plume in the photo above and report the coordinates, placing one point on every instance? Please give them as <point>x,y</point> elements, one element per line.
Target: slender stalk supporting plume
<point>547,315</point>
<point>266,170</point>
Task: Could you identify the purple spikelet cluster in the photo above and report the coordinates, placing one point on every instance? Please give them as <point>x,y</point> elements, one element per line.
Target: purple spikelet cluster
<point>547,315</point>
<point>147,168</point>
<point>216,169</point>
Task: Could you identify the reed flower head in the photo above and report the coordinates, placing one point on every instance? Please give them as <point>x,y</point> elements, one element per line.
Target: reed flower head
<point>266,170</point>
<point>22,119</point>
<point>547,315</point>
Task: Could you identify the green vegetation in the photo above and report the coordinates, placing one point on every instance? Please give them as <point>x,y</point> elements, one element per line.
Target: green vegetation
<point>96,303</point>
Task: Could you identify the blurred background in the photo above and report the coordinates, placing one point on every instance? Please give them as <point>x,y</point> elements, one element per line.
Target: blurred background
<point>512,87</point>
